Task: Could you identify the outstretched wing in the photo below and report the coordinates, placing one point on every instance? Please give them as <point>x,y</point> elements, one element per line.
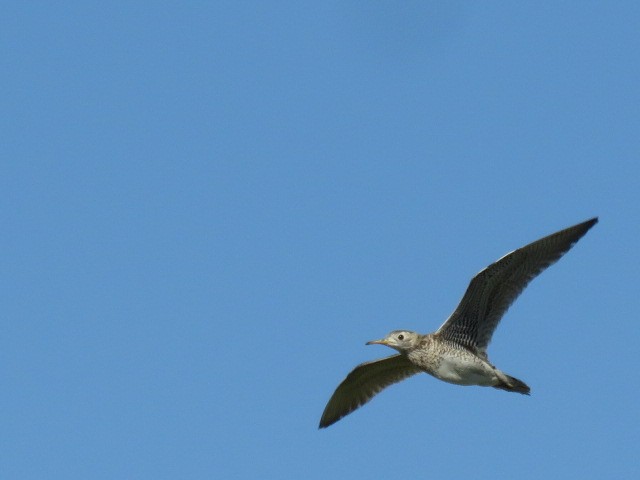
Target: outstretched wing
<point>363,383</point>
<point>493,290</point>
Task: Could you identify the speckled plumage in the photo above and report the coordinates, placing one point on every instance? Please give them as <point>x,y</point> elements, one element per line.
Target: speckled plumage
<point>457,351</point>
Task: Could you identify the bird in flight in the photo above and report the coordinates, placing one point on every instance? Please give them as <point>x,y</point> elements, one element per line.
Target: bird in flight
<point>457,351</point>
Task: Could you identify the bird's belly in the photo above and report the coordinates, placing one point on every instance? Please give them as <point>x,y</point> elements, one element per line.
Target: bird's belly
<point>465,371</point>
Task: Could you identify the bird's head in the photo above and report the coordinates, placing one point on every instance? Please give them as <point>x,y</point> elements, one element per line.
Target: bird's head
<point>400,340</point>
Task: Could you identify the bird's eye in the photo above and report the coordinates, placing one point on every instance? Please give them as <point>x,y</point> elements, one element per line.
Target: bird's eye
<point>400,337</point>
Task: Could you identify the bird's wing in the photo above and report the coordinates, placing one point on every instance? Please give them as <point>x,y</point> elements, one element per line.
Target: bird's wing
<point>363,383</point>
<point>495,288</point>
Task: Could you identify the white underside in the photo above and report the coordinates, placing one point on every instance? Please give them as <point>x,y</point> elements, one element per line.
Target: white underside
<point>461,371</point>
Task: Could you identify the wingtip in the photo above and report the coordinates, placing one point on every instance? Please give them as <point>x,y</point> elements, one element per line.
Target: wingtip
<point>590,223</point>
<point>586,225</point>
<point>326,421</point>
<point>324,424</point>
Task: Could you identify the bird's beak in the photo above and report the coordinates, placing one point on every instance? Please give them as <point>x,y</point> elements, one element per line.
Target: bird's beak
<point>377,342</point>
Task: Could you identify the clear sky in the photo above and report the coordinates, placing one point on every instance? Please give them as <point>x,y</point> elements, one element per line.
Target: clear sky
<point>208,208</point>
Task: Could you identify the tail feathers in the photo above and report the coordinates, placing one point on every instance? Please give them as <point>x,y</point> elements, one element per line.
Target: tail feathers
<point>514,385</point>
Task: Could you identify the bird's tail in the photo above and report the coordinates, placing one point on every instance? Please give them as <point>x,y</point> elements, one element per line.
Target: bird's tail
<point>511,384</point>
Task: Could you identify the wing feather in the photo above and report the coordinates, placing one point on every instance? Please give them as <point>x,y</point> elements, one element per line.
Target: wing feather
<point>493,290</point>
<point>363,383</point>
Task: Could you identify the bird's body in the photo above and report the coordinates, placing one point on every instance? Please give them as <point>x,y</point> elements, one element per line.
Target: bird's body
<point>456,352</point>
<point>452,363</point>
<point>449,362</point>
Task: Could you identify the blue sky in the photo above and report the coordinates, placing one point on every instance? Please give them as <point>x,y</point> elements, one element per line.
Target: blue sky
<point>209,207</point>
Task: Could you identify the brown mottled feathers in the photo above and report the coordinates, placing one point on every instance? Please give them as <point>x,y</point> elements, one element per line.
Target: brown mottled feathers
<point>363,383</point>
<point>494,289</point>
